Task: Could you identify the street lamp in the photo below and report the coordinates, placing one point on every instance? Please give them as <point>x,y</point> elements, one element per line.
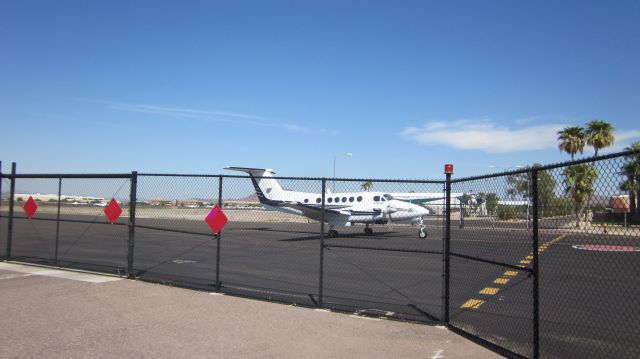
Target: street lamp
<point>334,167</point>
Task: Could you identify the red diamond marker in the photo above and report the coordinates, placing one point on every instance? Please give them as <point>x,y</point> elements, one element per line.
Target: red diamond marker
<point>216,219</point>
<point>113,211</point>
<point>30,207</point>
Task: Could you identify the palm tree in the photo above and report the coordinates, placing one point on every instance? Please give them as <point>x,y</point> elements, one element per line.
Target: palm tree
<point>367,186</point>
<point>631,170</point>
<point>599,135</point>
<point>579,180</point>
<point>571,140</point>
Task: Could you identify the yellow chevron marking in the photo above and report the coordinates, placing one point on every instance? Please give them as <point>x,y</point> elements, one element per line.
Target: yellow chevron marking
<point>472,303</point>
<point>489,291</point>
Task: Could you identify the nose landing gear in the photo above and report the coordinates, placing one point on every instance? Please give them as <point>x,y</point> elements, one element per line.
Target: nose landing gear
<point>422,233</point>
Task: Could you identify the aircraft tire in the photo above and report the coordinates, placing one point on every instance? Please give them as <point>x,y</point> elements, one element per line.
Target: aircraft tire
<point>422,233</point>
<point>332,233</point>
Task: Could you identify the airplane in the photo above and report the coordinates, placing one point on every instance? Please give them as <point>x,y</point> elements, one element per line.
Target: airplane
<point>341,209</point>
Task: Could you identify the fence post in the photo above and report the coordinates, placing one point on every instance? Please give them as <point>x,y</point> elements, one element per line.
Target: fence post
<point>446,244</point>
<point>536,288</point>
<point>321,279</point>
<point>218,237</point>
<point>132,221</point>
<point>12,195</point>
<point>55,258</point>
<point>1,199</point>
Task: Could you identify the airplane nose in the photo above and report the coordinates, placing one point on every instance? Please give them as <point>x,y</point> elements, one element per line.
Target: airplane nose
<point>423,211</point>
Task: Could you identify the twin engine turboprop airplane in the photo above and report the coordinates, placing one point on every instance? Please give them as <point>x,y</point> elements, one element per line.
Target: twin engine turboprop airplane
<point>340,209</point>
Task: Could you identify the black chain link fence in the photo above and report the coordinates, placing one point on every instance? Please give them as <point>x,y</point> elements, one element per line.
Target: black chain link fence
<point>539,262</point>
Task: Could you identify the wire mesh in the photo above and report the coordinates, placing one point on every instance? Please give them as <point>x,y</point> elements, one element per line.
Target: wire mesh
<point>378,264</point>
<point>370,255</point>
<point>34,239</point>
<point>4,213</point>
<point>268,251</point>
<point>68,227</point>
<point>589,268</point>
<point>173,244</point>
<point>491,289</point>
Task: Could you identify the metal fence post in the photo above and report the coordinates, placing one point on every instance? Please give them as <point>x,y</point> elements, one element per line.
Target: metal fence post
<point>321,279</point>
<point>132,221</point>
<point>12,195</point>
<point>446,246</point>
<point>1,199</point>
<point>536,288</point>
<point>218,237</point>
<point>55,258</point>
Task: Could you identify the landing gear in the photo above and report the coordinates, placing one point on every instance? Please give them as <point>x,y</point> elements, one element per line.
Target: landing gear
<point>332,232</point>
<point>422,233</point>
<point>367,230</point>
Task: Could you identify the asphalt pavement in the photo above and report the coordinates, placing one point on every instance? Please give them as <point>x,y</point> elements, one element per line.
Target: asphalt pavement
<point>587,297</point>
<point>60,314</point>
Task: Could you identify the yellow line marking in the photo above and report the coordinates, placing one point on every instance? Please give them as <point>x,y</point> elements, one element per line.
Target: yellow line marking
<point>475,303</point>
<point>472,303</point>
<point>489,291</point>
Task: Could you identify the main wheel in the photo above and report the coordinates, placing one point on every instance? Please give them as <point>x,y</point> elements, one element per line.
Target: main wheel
<point>422,233</point>
<point>368,231</point>
<point>332,233</point>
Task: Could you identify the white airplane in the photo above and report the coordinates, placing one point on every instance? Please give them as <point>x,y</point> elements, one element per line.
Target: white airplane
<point>341,209</point>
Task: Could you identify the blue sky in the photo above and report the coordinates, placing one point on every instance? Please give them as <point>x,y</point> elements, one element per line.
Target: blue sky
<point>193,86</point>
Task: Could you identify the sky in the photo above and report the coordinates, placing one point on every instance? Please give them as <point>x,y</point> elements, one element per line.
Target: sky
<point>403,86</point>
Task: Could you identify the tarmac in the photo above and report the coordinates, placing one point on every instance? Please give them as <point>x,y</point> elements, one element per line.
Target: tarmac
<point>56,313</point>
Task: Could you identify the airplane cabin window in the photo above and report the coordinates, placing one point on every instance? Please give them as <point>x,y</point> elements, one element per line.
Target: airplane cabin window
<point>383,199</point>
<point>376,198</point>
<point>344,199</point>
<point>337,199</point>
<point>318,200</point>
<point>359,198</point>
<point>330,199</point>
<point>306,200</point>
<point>351,199</point>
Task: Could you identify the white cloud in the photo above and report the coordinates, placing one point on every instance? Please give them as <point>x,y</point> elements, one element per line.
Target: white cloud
<point>484,135</point>
<point>203,115</point>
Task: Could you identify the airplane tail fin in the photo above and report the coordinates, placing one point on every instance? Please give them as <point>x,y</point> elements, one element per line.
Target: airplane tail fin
<point>268,189</point>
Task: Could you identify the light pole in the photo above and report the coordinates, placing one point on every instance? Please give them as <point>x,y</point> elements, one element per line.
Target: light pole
<point>334,167</point>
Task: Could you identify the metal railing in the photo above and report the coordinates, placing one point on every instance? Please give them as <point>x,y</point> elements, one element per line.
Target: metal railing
<point>539,262</point>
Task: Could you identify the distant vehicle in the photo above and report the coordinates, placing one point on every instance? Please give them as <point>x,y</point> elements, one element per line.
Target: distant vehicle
<point>100,204</point>
<point>340,209</point>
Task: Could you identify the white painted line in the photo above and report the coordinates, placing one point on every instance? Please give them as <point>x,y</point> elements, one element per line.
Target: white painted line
<point>365,318</point>
<point>437,355</point>
<point>10,276</point>
<point>79,276</point>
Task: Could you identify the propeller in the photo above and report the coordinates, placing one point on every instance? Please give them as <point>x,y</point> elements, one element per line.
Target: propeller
<point>388,211</point>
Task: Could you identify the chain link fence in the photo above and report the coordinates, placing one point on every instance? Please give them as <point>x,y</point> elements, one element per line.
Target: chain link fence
<point>539,262</point>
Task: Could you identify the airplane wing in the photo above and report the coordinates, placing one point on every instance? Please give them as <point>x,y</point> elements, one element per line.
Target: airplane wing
<point>315,212</point>
<point>423,198</point>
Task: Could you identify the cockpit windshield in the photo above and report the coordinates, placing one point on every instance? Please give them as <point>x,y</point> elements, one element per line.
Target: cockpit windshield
<point>387,197</point>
